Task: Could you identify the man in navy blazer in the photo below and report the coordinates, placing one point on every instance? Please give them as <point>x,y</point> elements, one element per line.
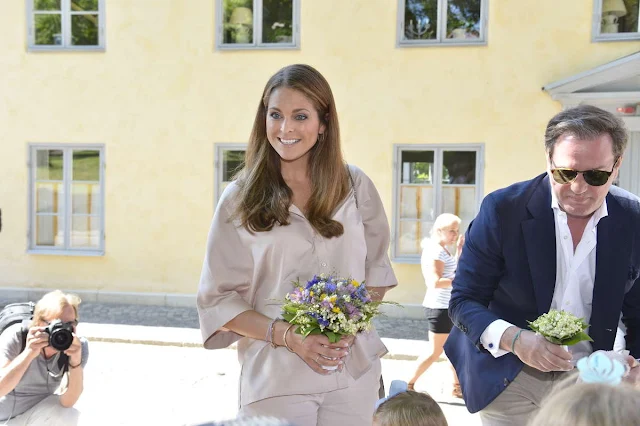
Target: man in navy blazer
<point>566,239</point>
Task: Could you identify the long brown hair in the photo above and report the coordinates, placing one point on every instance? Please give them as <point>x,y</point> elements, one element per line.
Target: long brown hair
<point>264,196</point>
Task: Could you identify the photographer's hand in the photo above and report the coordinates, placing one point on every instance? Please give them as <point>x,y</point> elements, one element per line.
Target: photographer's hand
<point>37,340</point>
<point>76,374</point>
<point>74,352</point>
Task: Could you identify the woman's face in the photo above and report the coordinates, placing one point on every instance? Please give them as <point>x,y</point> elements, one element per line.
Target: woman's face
<point>449,234</point>
<point>293,124</point>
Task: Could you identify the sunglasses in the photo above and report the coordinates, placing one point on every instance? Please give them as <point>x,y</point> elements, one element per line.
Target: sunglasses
<point>565,176</point>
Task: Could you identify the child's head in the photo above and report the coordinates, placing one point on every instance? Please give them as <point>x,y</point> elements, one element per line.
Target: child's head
<point>590,404</point>
<point>409,409</point>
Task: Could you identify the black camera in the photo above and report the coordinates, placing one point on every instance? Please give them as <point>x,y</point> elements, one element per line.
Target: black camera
<point>60,334</point>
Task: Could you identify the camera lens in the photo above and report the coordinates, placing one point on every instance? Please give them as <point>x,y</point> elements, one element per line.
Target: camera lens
<point>60,335</point>
<point>61,339</point>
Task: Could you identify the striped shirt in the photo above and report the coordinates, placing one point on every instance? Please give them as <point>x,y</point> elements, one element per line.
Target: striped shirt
<point>437,298</point>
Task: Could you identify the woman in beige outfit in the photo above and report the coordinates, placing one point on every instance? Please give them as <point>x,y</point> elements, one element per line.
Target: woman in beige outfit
<point>295,210</point>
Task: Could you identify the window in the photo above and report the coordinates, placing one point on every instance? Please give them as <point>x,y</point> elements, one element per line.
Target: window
<point>438,22</point>
<point>258,24</point>
<point>616,20</point>
<point>65,24</point>
<point>430,180</point>
<point>229,160</point>
<point>66,199</point>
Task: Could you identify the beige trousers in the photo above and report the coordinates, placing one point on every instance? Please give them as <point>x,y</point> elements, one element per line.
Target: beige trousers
<point>351,406</point>
<point>47,412</point>
<point>521,399</point>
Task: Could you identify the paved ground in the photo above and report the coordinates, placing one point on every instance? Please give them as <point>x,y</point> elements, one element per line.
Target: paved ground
<point>170,380</point>
<point>130,384</point>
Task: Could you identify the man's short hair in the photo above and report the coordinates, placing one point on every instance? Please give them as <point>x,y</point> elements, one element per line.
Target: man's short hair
<point>586,122</point>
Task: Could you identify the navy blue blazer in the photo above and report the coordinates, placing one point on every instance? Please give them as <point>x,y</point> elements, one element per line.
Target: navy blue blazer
<point>508,271</point>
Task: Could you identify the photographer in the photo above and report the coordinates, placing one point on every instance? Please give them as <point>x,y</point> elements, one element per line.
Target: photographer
<point>34,363</point>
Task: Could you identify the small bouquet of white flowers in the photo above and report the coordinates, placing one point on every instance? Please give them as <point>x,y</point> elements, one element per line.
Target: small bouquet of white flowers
<point>561,328</point>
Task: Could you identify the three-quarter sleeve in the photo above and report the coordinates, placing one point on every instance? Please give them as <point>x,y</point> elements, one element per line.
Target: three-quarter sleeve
<point>225,282</point>
<point>378,271</point>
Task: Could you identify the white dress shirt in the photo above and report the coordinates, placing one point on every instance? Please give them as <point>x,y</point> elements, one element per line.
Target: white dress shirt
<point>575,277</point>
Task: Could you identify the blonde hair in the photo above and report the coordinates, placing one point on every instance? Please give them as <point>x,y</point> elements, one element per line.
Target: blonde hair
<point>442,221</point>
<point>589,404</point>
<point>409,408</point>
<point>52,304</point>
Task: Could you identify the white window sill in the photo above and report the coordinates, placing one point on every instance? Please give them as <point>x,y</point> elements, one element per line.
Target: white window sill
<point>53,252</point>
<point>66,49</point>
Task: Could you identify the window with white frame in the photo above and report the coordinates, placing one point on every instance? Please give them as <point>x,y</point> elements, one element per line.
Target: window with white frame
<point>438,22</point>
<point>229,160</point>
<point>616,20</point>
<point>65,24</point>
<point>258,24</point>
<point>66,199</point>
<point>430,180</point>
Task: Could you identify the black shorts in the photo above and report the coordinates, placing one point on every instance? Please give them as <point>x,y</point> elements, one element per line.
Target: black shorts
<point>438,320</point>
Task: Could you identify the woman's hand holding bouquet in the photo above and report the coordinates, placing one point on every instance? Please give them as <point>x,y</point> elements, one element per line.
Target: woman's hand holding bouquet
<point>325,314</point>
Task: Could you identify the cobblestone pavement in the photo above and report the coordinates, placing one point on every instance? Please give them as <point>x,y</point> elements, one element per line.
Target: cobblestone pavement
<point>181,317</point>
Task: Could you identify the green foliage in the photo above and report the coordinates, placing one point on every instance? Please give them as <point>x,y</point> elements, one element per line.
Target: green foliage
<point>464,14</point>
<point>277,21</point>
<point>84,28</point>
<point>46,5</point>
<point>87,5</point>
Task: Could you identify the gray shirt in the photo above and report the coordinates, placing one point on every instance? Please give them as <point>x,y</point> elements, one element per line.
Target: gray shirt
<point>42,378</point>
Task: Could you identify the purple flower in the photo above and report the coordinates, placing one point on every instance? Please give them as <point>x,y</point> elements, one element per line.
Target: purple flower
<point>323,322</point>
<point>356,314</point>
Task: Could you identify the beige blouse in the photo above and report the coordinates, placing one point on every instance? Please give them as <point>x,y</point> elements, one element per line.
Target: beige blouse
<point>244,271</point>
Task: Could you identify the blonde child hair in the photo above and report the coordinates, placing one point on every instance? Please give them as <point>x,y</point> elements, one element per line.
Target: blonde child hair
<point>409,408</point>
<point>589,404</point>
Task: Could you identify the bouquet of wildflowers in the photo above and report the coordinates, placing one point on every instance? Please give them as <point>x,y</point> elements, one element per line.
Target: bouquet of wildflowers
<point>331,306</point>
<point>560,327</point>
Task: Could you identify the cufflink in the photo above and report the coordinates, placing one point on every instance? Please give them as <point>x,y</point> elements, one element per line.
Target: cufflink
<point>491,345</point>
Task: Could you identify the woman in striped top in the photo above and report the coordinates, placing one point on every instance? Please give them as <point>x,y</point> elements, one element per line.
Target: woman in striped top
<point>438,269</point>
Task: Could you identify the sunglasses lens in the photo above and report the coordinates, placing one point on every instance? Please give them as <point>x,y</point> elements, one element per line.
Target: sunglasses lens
<point>564,176</point>
<point>596,177</point>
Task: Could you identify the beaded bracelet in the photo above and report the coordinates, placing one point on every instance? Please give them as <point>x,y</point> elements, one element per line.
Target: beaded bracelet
<point>513,342</point>
<point>284,339</point>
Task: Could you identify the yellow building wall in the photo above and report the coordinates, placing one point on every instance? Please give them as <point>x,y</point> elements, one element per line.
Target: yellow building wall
<point>161,96</point>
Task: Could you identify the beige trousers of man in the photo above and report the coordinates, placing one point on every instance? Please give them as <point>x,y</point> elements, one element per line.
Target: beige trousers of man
<point>351,406</point>
<point>521,400</point>
<point>47,412</point>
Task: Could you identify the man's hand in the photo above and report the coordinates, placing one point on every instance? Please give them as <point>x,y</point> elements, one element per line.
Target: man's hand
<point>74,352</point>
<point>633,377</point>
<point>37,340</point>
<point>535,351</point>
